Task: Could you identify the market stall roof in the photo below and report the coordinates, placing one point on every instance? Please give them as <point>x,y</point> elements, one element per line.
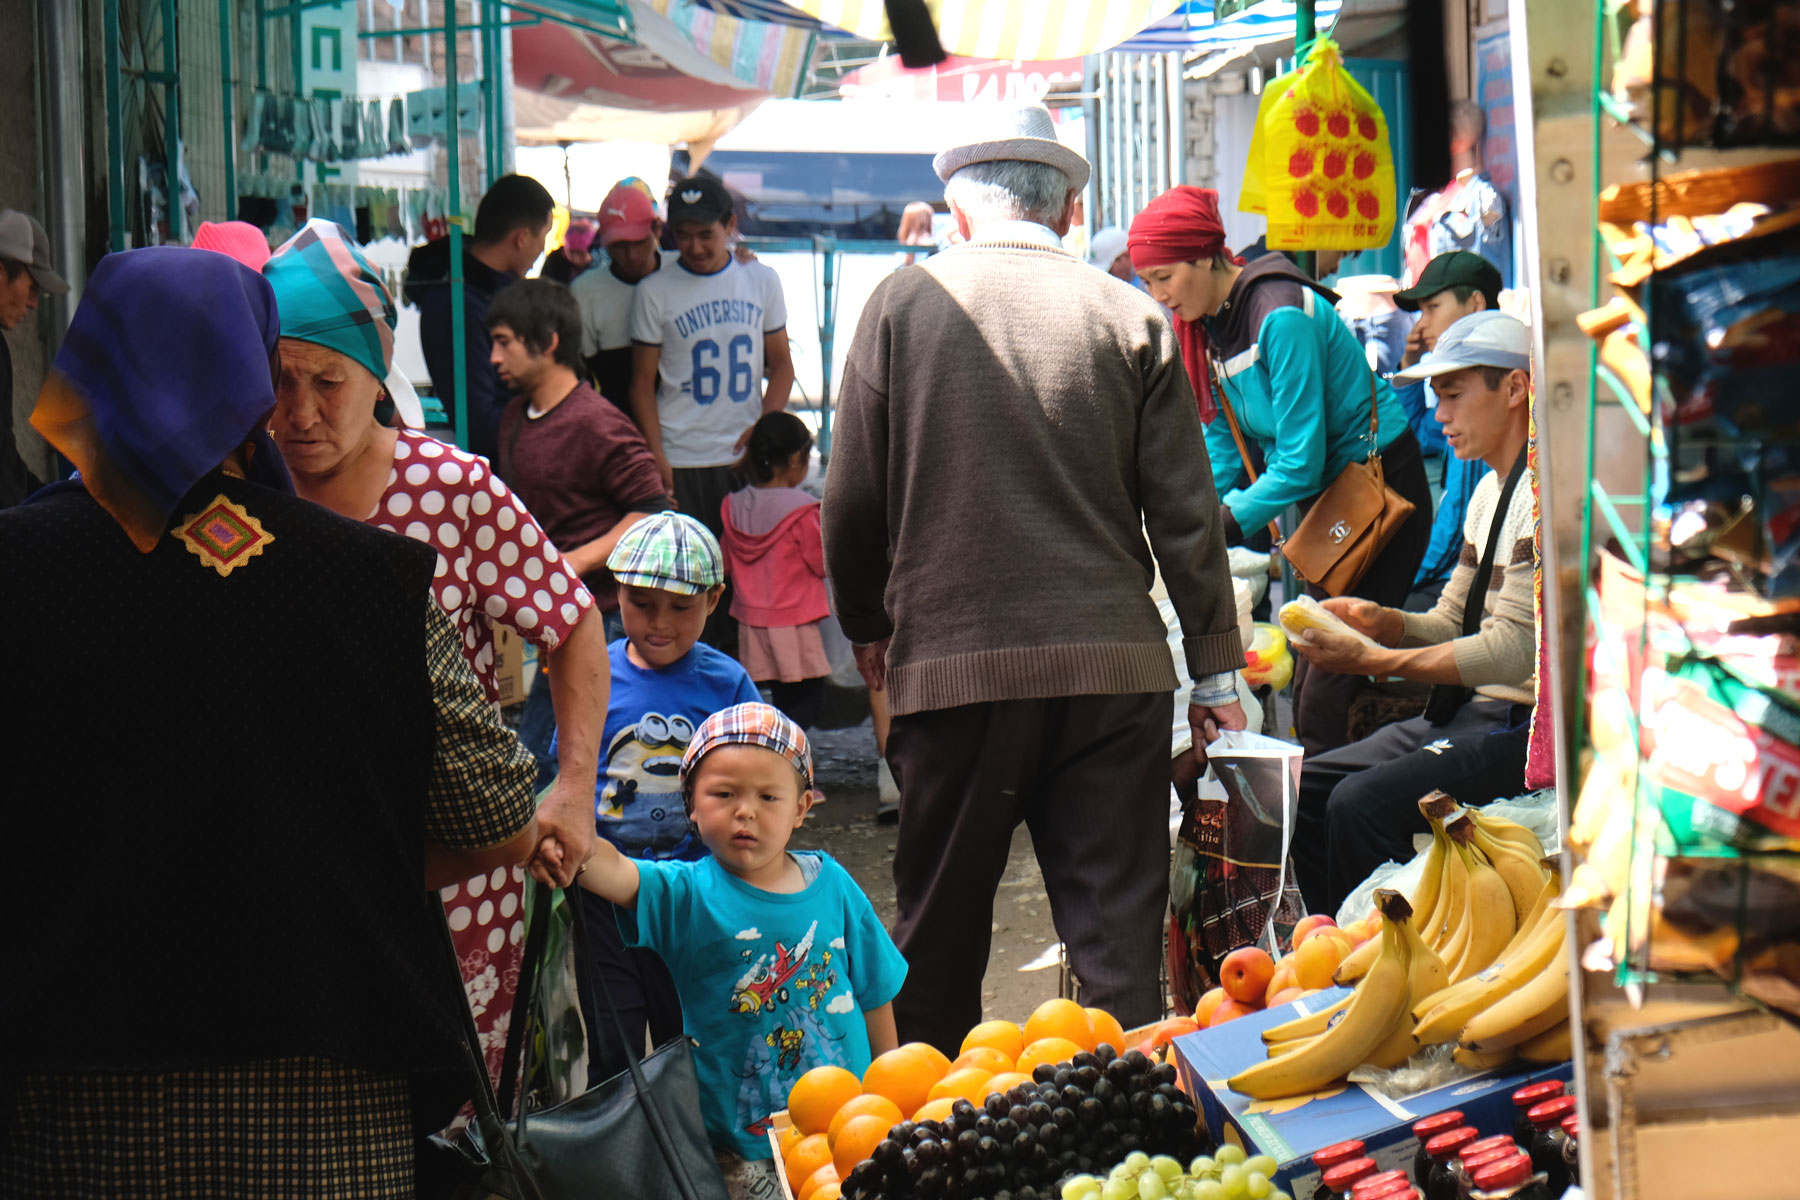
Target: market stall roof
<point>1193,27</point>
<point>1031,29</point>
<point>690,75</point>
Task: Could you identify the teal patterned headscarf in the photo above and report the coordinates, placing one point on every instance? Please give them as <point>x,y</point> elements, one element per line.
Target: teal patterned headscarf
<point>329,294</point>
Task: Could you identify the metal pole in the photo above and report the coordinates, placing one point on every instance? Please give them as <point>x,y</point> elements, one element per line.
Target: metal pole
<point>65,176</point>
<point>827,246</point>
<point>1177,121</point>
<point>299,61</point>
<point>172,123</point>
<point>459,367</point>
<point>1304,32</point>
<point>226,88</point>
<point>1115,134</point>
<point>492,72</point>
<point>1147,122</point>
<point>115,126</point>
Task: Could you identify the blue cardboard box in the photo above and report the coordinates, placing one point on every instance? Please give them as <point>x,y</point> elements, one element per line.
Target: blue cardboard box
<point>1291,1131</point>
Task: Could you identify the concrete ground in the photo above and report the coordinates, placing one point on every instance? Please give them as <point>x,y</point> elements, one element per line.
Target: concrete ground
<point>844,827</point>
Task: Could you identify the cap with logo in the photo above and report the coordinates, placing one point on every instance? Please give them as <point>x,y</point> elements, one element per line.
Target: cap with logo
<point>626,215</point>
<point>1483,339</point>
<point>23,240</point>
<point>701,198</point>
<point>1459,268</point>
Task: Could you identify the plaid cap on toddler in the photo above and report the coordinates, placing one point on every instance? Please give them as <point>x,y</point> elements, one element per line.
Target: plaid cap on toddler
<point>749,725</point>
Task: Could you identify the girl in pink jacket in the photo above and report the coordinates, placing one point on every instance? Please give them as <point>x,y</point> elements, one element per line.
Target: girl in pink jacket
<point>776,561</point>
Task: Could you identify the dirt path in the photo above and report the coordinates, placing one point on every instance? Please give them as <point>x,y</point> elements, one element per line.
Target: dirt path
<point>845,828</point>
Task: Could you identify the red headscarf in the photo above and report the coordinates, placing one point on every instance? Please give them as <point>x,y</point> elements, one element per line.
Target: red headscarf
<point>1182,226</point>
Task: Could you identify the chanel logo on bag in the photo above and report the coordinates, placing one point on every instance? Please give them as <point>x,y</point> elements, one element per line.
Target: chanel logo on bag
<point>1339,532</point>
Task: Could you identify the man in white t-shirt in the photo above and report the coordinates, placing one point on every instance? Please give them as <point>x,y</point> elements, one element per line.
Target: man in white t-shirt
<point>703,330</point>
<point>630,232</point>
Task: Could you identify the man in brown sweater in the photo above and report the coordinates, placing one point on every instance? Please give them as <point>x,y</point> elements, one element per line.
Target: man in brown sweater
<point>1012,424</point>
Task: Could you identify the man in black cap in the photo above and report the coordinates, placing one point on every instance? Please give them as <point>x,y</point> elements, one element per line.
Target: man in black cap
<point>1450,287</point>
<point>702,333</point>
<point>25,273</point>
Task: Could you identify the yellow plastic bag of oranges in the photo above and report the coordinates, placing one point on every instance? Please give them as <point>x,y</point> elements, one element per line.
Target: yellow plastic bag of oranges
<point>1321,168</point>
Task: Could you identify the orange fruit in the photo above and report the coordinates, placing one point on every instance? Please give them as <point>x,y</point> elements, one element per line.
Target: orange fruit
<point>938,1058</point>
<point>808,1155</point>
<point>1006,1081</point>
<point>817,1095</point>
<point>1106,1028</point>
<point>1060,1018</point>
<point>1047,1050</point>
<point>856,1141</point>
<point>818,1179</point>
<point>1317,958</point>
<point>863,1106</point>
<point>985,1057</point>
<point>786,1138</point>
<point>937,1110</point>
<point>1281,980</point>
<point>1203,1011</point>
<point>1003,1036</point>
<point>969,1084</point>
<point>903,1076</point>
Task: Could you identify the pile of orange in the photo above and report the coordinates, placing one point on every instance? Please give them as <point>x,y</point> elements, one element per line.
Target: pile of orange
<point>837,1120</point>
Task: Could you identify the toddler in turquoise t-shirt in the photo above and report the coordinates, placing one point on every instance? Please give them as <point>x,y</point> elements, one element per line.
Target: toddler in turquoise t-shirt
<point>778,957</point>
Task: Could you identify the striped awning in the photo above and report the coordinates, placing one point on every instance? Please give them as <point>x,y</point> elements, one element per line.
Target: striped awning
<point>1192,28</point>
<point>1009,29</point>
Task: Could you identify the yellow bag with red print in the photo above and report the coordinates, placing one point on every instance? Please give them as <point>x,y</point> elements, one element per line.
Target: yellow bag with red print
<point>1325,168</point>
<point>1252,198</point>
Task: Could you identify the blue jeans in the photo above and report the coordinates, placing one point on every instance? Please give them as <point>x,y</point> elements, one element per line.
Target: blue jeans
<point>537,724</point>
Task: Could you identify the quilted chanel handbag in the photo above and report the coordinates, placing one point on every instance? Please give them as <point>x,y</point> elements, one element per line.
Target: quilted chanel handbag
<point>1349,524</point>
<point>638,1134</point>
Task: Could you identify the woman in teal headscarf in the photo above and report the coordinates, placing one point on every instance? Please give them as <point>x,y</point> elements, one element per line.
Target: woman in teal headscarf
<point>495,566</point>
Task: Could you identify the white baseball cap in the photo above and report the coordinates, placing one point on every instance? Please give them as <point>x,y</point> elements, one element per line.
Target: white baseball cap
<point>1106,246</point>
<point>24,241</point>
<point>1483,339</point>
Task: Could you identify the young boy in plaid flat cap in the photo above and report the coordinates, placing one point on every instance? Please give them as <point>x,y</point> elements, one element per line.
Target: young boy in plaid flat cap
<point>665,682</point>
<point>780,960</point>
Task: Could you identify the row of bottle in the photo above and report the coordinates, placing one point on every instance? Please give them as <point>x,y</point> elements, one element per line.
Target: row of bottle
<point>1537,1161</point>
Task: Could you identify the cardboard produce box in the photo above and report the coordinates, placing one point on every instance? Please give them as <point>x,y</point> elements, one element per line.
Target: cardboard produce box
<point>1291,1131</point>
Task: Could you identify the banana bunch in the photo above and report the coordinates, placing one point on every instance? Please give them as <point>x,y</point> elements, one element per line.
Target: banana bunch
<point>1372,1025</point>
<point>1517,1005</point>
<point>1481,877</point>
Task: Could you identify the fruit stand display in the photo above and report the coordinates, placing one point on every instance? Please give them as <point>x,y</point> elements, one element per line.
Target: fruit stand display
<point>1668,433</point>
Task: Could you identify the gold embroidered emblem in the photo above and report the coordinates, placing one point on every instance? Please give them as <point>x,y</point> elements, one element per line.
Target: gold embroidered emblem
<point>222,535</point>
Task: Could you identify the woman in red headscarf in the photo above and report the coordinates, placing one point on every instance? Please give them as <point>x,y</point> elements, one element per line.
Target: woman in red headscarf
<point>1299,384</point>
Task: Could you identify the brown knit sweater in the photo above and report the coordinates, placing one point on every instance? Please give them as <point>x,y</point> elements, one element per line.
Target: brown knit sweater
<point>1012,423</point>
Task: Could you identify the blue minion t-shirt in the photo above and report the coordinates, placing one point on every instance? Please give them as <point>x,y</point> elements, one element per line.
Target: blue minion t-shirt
<point>771,984</point>
<point>650,718</point>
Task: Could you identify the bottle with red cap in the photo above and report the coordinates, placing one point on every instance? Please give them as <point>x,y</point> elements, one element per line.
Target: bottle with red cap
<point>1425,1130</point>
<point>1571,1147</point>
<point>1341,1178</point>
<point>1333,1156</point>
<point>1442,1150</point>
<point>1524,1098</point>
<point>1387,1185</point>
<point>1510,1178</point>
<point>1547,1139</point>
<point>1477,1155</point>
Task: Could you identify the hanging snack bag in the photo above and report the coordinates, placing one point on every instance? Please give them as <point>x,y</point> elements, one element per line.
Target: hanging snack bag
<point>1327,168</point>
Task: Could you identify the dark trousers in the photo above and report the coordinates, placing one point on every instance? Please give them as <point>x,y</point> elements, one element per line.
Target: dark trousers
<point>640,985</point>
<point>1359,805</point>
<point>537,722</point>
<point>1322,698</point>
<point>1089,775</point>
<point>801,700</point>
<point>700,493</point>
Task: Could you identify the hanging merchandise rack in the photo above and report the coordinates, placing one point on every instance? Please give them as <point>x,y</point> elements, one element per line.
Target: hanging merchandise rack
<point>1663,228</point>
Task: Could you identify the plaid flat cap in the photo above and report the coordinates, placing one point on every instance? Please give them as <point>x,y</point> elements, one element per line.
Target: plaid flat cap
<point>669,552</point>
<point>749,725</point>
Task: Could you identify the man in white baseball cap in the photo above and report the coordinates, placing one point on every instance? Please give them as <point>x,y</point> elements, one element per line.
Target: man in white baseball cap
<point>25,274</point>
<point>1358,804</point>
<point>1017,445</point>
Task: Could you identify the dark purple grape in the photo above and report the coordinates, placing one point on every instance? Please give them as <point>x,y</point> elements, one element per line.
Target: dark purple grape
<point>1088,1076</point>
<point>1044,1073</point>
<point>1090,1112</point>
<point>1162,1073</point>
<point>997,1105</point>
<point>1018,1114</point>
<point>1005,1130</point>
<point>1119,1072</point>
<point>1140,1062</point>
<point>1130,1141</point>
<point>984,1125</point>
<point>1038,1113</point>
<point>1105,1053</point>
<point>1063,1077</point>
<point>1064,1117</point>
<point>963,1110</point>
<point>887,1152</point>
<point>1085,1059</point>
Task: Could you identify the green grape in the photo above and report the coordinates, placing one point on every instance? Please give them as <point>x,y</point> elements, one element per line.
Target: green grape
<point>1121,1171</point>
<point>1229,1155</point>
<point>1081,1187</point>
<point>1210,1189</point>
<point>1167,1167</point>
<point>1202,1166</point>
<point>1236,1181</point>
<point>1150,1186</point>
<point>1137,1162</point>
<point>1262,1163</point>
<point>1119,1189</point>
<point>1259,1186</point>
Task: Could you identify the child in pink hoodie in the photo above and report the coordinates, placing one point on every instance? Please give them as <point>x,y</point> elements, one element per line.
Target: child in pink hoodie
<point>776,562</point>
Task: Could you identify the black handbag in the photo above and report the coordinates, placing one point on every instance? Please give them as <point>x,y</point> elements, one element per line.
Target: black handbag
<point>1447,699</point>
<point>638,1134</point>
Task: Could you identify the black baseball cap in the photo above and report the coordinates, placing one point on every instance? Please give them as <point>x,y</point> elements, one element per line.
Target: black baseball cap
<point>700,198</point>
<point>1459,268</point>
